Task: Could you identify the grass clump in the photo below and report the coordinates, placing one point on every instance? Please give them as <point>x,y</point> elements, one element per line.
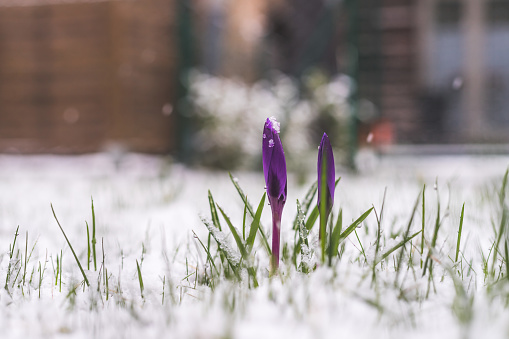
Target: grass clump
<point>396,261</point>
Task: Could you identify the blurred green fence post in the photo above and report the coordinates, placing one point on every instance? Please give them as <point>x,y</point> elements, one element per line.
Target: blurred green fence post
<point>353,72</point>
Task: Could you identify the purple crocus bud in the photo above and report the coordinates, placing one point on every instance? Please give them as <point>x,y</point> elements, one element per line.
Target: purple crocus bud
<point>325,167</point>
<point>274,169</point>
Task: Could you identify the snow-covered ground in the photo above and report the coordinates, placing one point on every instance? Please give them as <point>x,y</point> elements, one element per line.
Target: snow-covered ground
<point>147,207</point>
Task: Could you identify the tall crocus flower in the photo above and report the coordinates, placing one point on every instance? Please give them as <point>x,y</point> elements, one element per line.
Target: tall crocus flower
<point>326,185</point>
<point>274,169</point>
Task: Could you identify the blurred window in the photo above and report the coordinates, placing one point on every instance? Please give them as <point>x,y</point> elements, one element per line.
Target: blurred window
<point>448,58</point>
<point>498,12</point>
<point>496,62</point>
<point>448,12</point>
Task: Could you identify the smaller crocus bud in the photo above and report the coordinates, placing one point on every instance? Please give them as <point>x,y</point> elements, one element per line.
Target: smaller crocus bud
<point>326,183</point>
<point>274,169</point>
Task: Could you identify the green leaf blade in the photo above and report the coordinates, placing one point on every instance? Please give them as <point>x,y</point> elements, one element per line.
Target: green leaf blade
<point>354,225</point>
<point>255,225</point>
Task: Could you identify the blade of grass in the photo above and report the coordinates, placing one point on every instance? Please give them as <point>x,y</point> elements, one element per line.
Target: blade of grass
<point>215,221</point>
<point>398,245</point>
<point>32,250</point>
<point>57,271</point>
<point>26,257</point>
<point>459,233</point>
<point>224,248</point>
<point>362,247</point>
<point>379,224</point>
<point>310,222</point>
<point>308,225</point>
<point>379,219</point>
<point>18,271</point>
<point>94,241</point>
<point>503,225</point>
<point>140,278</point>
<point>213,212</point>
<point>104,266</point>
<point>11,253</point>
<point>70,246</point>
<point>303,241</point>
<point>244,223</point>
<point>60,275</point>
<point>40,279</point>
<point>255,224</point>
<point>503,188</point>
<point>506,259</point>
<point>354,225</point>
<point>306,204</point>
<point>251,212</point>
<point>336,234</point>
<point>435,235</point>
<point>88,246</point>
<point>240,245</point>
<point>107,283</point>
<point>235,234</point>
<point>462,305</point>
<point>405,236</point>
<point>503,222</point>
<point>423,221</point>
<point>328,247</point>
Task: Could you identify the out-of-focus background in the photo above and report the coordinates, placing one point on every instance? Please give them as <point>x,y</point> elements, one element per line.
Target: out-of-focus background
<point>195,79</point>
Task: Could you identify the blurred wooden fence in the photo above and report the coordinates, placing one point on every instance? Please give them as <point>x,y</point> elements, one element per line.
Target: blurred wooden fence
<point>76,76</point>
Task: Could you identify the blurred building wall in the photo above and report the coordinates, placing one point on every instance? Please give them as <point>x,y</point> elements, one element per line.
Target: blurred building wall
<point>77,76</point>
<point>443,69</point>
<point>428,71</point>
<point>464,67</point>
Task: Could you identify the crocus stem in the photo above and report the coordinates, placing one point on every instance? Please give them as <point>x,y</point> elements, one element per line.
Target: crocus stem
<point>276,229</point>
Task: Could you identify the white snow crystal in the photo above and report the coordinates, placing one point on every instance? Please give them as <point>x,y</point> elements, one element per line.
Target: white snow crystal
<point>275,124</point>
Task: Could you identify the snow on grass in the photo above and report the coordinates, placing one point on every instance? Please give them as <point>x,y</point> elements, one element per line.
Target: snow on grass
<point>147,208</point>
